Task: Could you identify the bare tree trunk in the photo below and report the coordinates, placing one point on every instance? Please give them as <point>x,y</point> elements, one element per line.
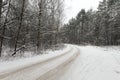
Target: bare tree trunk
<point>39,26</point>
<point>4,28</point>
<point>82,31</point>
<point>0,25</point>
<point>0,10</point>
<point>38,39</point>
<point>59,11</point>
<point>57,34</point>
<point>19,28</point>
<point>53,20</point>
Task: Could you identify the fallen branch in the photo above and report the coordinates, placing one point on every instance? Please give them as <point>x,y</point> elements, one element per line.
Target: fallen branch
<point>18,50</point>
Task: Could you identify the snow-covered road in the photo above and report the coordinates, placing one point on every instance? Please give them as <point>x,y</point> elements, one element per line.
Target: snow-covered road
<point>93,63</point>
<point>41,70</point>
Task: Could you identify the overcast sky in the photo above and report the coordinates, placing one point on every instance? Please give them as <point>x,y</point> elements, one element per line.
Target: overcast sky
<point>72,7</point>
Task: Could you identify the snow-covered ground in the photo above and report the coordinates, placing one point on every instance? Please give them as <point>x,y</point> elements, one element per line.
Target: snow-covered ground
<point>19,63</point>
<point>93,63</point>
<point>35,68</point>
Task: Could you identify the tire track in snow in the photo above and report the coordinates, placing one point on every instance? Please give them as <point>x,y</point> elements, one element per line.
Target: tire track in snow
<point>56,73</point>
<point>7,76</point>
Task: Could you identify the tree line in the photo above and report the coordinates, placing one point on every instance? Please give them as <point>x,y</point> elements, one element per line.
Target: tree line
<point>101,27</point>
<point>29,24</point>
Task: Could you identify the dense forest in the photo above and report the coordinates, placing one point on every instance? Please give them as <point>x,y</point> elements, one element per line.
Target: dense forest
<point>38,24</point>
<point>101,27</point>
<point>29,24</point>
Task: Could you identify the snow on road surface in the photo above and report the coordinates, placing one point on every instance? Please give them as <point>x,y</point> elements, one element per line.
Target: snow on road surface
<point>93,63</point>
<point>37,70</point>
<point>16,64</point>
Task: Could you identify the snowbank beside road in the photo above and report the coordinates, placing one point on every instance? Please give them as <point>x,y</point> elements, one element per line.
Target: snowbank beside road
<point>43,70</point>
<point>16,64</point>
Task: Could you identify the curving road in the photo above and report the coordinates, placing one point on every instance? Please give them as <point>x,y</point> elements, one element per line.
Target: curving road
<point>78,63</point>
<point>46,70</point>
